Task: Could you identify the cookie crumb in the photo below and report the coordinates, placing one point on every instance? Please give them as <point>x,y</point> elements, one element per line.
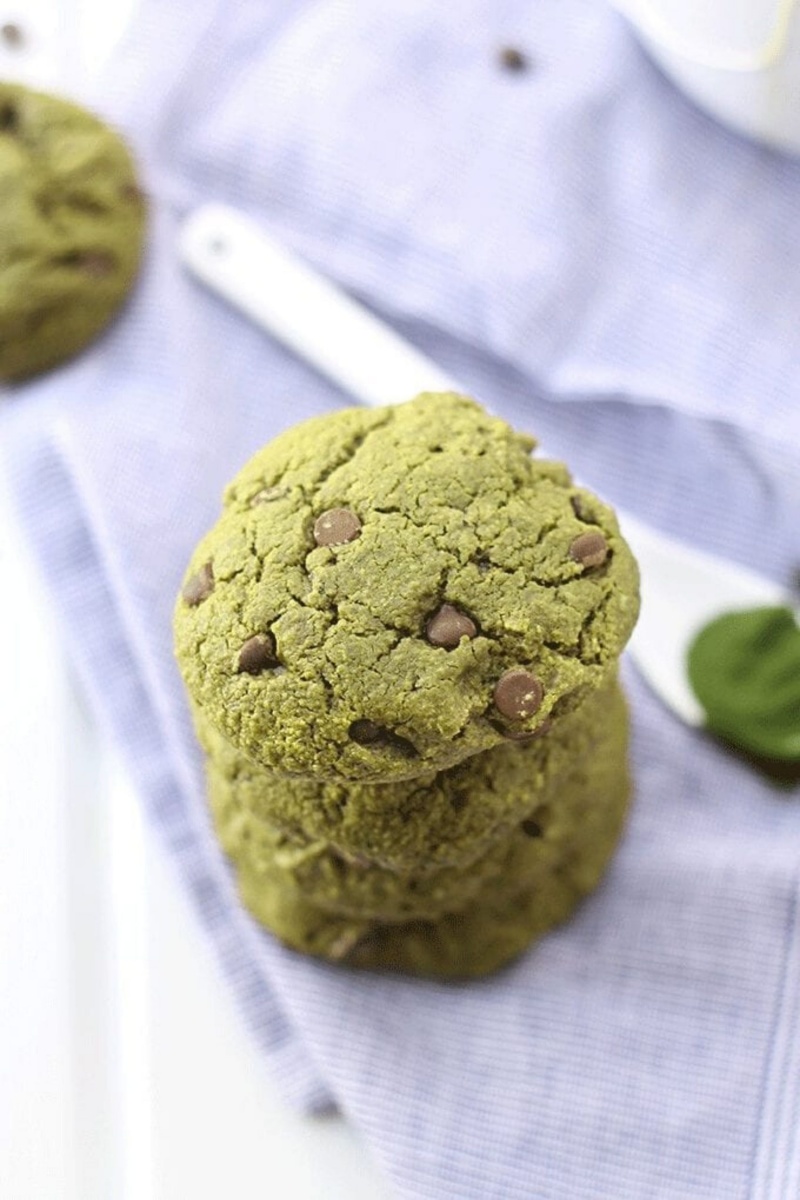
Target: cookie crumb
<point>268,494</point>
<point>512,59</point>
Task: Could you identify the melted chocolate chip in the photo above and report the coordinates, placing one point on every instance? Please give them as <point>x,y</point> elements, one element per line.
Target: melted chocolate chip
<point>258,654</point>
<point>366,732</point>
<point>200,586</point>
<point>590,549</point>
<point>9,118</point>
<point>336,526</point>
<point>448,625</point>
<point>518,694</point>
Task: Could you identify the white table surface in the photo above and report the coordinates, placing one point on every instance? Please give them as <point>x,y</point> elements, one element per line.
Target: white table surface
<point>126,1072</point>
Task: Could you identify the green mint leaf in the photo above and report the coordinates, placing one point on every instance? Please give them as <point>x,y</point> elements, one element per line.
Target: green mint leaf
<point>744,668</point>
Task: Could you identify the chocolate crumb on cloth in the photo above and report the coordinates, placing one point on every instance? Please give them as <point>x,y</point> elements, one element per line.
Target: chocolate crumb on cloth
<point>71,229</point>
<point>389,522</point>
<point>401,641</point>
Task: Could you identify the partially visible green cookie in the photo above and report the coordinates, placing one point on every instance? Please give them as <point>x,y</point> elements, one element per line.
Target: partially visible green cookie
<point>391,591</point>
<point>449,819</point>
<point>550,829</point>
<point>496,924</point>
<point>71,229</point>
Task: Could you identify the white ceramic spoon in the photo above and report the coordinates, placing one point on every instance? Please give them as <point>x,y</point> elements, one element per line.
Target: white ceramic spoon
<point>682,588</point>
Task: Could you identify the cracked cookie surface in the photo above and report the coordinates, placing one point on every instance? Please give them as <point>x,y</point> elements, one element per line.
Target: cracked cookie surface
<point>71,229</point>
<point>422,586</point>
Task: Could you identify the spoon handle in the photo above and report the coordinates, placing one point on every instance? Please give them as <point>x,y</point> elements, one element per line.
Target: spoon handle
<point>233,256</point>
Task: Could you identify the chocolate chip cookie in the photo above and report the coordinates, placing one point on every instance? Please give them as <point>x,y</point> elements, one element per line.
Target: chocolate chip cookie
<point>492,928</point>
<point>412,827</point>
<point>546,821</point>
<point>391,591</point>
<point>71,229</point>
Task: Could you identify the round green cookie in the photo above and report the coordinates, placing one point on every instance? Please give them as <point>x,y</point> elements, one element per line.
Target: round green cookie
<point>71,229</point>
<point>497,924</point>
<point>391,591</point>
<point>556,822</point>
<point>419,826</point>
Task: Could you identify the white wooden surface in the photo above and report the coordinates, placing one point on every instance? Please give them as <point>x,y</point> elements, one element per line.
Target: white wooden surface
<point>125,1070</point>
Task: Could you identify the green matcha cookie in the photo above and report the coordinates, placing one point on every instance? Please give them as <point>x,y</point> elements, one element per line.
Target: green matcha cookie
<point>391,591</point>
<point>419,826</point>
<point>71,229</point>
<point>550,829</point>
<point>497,924</point>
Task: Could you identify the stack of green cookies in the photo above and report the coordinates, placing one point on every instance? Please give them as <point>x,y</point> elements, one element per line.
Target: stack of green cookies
<point>400,641</point>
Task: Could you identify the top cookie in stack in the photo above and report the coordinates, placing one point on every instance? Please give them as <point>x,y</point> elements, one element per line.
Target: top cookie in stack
<point>391,591</point>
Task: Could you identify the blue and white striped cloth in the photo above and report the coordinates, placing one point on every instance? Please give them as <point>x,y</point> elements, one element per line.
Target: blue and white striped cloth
<point>607,268</point>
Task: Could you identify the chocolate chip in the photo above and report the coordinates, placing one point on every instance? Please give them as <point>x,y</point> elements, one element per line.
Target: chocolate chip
<point>590,549</point>
<point>96,264</point>
<point>9,118</point>
<point>366,732</point>
<point>11,34</point>
<point>132,191</point>
<point>459,801</point>
<point>532,828</point>
<point>200,586</point>
<point>336,526</point>
<point>518,694</point>
<point>582,508</point>
<point>268,494</point>
<point>513,59</point>
<point>258,654</point>
<point>448,625</point>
